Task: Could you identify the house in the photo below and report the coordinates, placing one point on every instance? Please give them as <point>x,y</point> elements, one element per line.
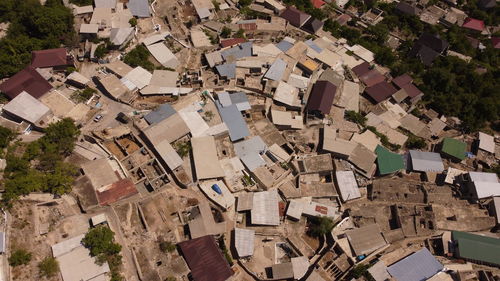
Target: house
<point>407,9</point>
<point>139,8</point>
<point>347,185</point>
<point>162,82</point>
<point>364,160</point>
<point>58,59</point>
<point>234,121</point>
<point>287,95</point>
<point>388,162</point>
<point>486,4</point>
<point>116,191</point>
<point>114,87</point>
<point>205,259</point>
<point>27,80</point>
<point>244,240</point>
<point>25,107</point>
<point>454,149</point>
<point>226,43</point>
<point>380,92</point>
<point>368,74</point>
<point>78,80</point>
<point>250,152</point>
<point>121,36</point>
<point>407,90</point>
<point>428,47</point>
<point>295,16</point>
<point>365,240</point>
<point>110,4</point>
<point>474,25</point>
<point>76,263</point>
<point>494,208</point>
<point>227,70</point>
<point>119,68</point>
<point>495,41</point>
<point>476,248</point>
<point>481,185</point>
<point>418,266</point>
<point>486,142</point>
<point>276,70</point>
<point>318,3</point>
<point>313,25</point>
<point>202,222</point>
<point>206,160</point>
<point>321,97</point>
<point>265,208</point>
<point>422,161</point>
<point>163,55</point>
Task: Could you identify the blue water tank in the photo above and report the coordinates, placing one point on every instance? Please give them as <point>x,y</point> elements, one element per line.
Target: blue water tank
<point>216,188</point>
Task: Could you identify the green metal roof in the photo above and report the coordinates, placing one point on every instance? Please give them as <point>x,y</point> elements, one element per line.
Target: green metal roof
<point>454,148</point>
<point>477,247</point>
<point>387,161</point>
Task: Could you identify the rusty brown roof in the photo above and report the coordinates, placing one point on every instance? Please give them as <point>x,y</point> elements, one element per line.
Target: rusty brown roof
<point>49,58</point>
<point>402,80</point>
<point>28,80</point>
<point>231,42</point>
<point>205,259</point>
<point>380,91</point>
<point>321,97</point>
<point>116,191</point>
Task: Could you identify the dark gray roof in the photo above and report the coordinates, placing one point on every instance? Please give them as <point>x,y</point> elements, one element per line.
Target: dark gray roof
<point>234,121</point>
<point>418,266</point>
<point>284,45</point>
<point>163,112</point>
<point>227,70</point>
<point>139,8</point>
<point>237,52</point>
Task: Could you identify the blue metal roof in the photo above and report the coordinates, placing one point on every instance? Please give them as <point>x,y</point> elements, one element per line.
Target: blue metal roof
<point>241,101</point>
<point>313,46</point>
<point>237,52</point>
<point>227,70</point>
<point>237,126</point>
<point>250,152</point>
<point>163,112</point>
<point>275,72</point>
<point>418,266</point>
<point>284,45</point>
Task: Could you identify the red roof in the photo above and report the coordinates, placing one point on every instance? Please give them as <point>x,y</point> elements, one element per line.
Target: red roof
<point>372,77</point>
<point>248,26</point>
<point>321,97</point>
<point>318,3</point>
<point>402,80</point>
<point>28,80</point>
<point>473,24</point>
<point>49,58</point>
<point>205,259</point>
<point>231,42</point>
<point>411,90</point>
<point>495,41</point>
<point>116,191</point>
<point>380,91</point>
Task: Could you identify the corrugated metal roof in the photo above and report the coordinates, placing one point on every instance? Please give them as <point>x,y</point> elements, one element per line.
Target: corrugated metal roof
<point>245,201</point>
<point>205,259</point>
<point>418,266</point>
<point>244,241</point>
<point>265,209</point>
<point>227,70</point>
<point>423,161</point>
<point>139,8</point>
<point>284,45</point>
<point>162,112</point>
<point>116,191</point>
<point>238,52</point>
<point>237,126</point>
<point>250,151</point>
<point>139,76</point>
<point>486,142</point>
<point>27,107</point>
<point>28,80</point>
<point>105,4</point>
<point>276,71</point>
<point>387,161</point>
<point>163,55</point>
<point>379,271</point>
<point>321,97</point>
<point>168,155</point>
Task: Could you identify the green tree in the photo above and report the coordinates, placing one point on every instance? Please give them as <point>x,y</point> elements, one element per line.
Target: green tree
<point>319,226</point>
<point>167,247</point>
<point>101,51</point>
<point>82,2</point>
<point>139,57</point>
<point>240,33</point>
<point>244,3</point>
<point>6,136</point>
<point>355,117</point>
<point>100,240</point>
<point>60,136</point>
<point>226,32</point>
<point>133,22</point>
<point>48,267</point>
<point>19,257</point>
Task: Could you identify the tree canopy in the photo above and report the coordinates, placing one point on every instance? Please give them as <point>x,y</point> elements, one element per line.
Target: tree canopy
<point>139,57</point>
<point>32,27</point>
<point>100,242</point>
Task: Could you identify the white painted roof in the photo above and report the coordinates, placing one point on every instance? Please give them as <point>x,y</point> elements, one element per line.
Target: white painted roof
<point>27,107</point>
<point>139,76</point>
<point>244,240</point>
<point>265,209</point>
<point>486,142</point>
<point>347,185</point>
<point>163,55</point>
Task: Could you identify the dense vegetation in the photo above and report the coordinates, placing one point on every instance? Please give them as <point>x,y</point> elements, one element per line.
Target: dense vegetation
<point>6,135</point>
<point>40,166</point>
<point>32,27</point>
<point>320,226</point>
<point>48,267</point>
<point>452,86</point>
<point>82,2</point>
<point>139,57</point>
<point>19,257</point>
<point>100,242</point>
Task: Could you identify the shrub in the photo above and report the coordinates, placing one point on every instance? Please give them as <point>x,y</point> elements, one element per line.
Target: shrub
<point>133,22</point>
<point>19,257</point>
<point>48,267</point>
<point>167,247</point>
<point>319,226</point>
